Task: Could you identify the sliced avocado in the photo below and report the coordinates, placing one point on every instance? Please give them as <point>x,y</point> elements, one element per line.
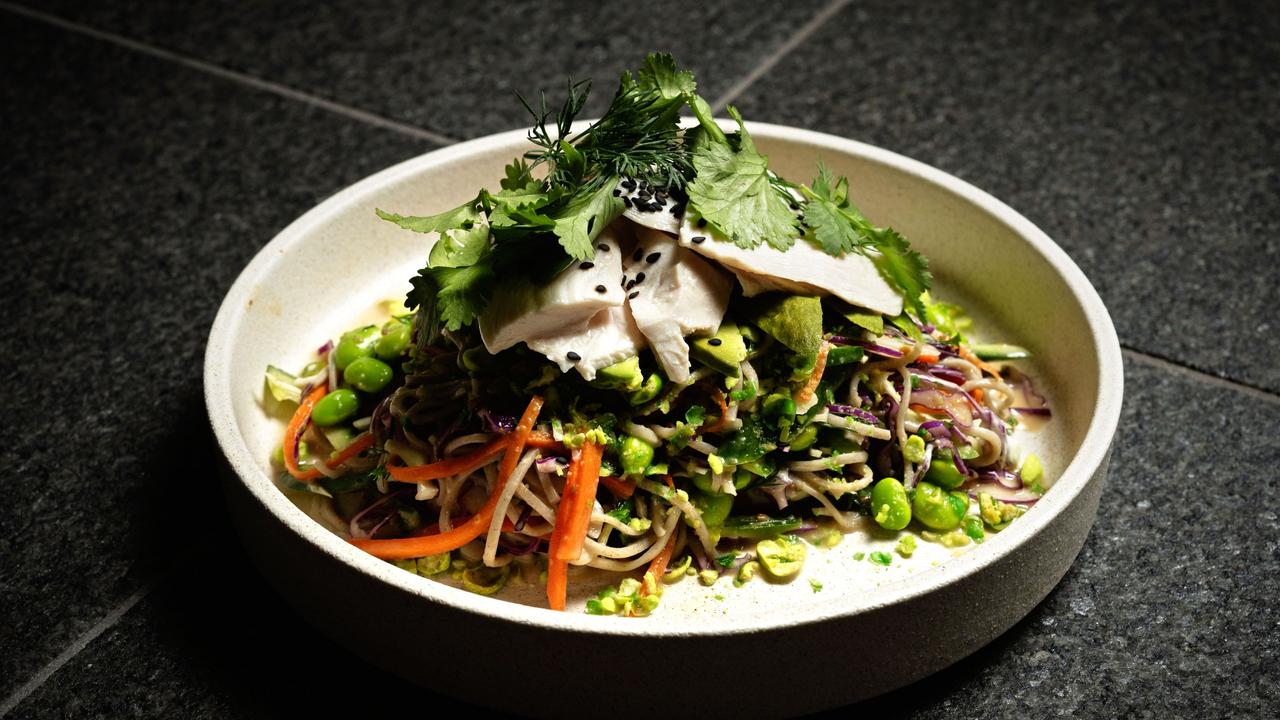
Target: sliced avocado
<point>792,320</point>
<point>722,352</point>
<point>863,318</point>
<point>623,375</point>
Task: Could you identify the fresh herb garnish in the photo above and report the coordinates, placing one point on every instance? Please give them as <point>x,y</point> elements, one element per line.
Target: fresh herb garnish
<point>556,199</point>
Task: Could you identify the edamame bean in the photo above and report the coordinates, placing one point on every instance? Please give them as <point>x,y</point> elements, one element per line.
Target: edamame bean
<point>394,340</point>
<point>648,390</point>
<point>889,504</point>
<point>335,407</point>
<point>368,374</point>
<point>943,472</point>
<point>937,508</point>
<point>355,344</point>
<point>636,455</point>
<point>782,557</point>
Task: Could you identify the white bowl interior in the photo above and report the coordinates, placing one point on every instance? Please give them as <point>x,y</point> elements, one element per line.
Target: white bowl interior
<point>328,268</point>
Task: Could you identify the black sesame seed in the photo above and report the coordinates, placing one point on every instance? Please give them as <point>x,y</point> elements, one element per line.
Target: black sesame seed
<point>699,240</point>
<point>573,356</point>
<point>624,281</point>
<point>617,192</point>
<point>629,184</point>
<point>626,201</point>
<point>586,265</point>
<point>630,284</point>
<point>639,278</point>
<point>795,206</point>
<point>601,289</point>
<point>677,209</point>
<point>715,342</point>
<point>702,222</point>
<point>591,222</point>
<point>602,247</point>
<point>633,296</point>
<point>653,258</point>
<point>639,253</point>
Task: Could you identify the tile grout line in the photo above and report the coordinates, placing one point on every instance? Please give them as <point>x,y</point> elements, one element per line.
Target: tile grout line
<point>777,55</point>
<point>106,623</point>
<point>1156,361</point>
<point>232,75</point>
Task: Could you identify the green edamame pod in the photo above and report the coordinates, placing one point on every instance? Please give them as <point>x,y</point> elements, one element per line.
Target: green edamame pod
<point>635,454</point>
<point>937,508</point>
<point>394,340</point>
<point>355,344</point>
<point>335,407</point>
<point>368,374</point>
<point>889,504</point>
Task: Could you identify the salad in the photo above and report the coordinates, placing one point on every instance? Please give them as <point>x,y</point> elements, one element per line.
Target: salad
<point>649,354</point>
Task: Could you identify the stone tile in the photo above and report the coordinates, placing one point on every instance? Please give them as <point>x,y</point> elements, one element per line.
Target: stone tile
<point>453,67</point>
<point>1140,136</point>
<point>214,641</point>
<point>135,191</point>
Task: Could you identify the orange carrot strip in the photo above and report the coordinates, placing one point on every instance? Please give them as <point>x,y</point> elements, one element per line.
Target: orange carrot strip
<point>297,424</point>
<point>804,394</point>
<point>518,439</point>
<point>929,355</point>
<point>474,527</point>
<point>588,480</point>
<point>457,465</point>
<point>659,564</point>
<point>558,570</point>
<point>622,489</point>
<point>543,441</point>
<point>926,410</point>
<point>983,365</point>
<point>724,414</point>
<point>353,448</point>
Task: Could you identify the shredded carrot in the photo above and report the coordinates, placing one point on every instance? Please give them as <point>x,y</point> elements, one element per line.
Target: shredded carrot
<point>518,439</point>
<point>977,394</point>
<point>457,465</point>
<point>292,433</point>
<point>723,420</point>
<point>621,488</point>
<point>588,482</point>
<point>670,483</point>
<point>475,526</point>
<point>659,565</point>
<point>926,410</point>
<point>543,441</point>
<point>557,569</point>
<point>929,355</point>
<point>805,394</point>
<point>983,365</point>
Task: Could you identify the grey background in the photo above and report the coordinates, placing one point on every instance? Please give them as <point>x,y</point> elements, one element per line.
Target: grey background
<point>149,149</point>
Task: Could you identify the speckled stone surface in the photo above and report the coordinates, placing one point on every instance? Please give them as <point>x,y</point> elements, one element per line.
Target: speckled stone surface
<point>134,193</point>
<point>1141,138</point>
<point>453,67</point>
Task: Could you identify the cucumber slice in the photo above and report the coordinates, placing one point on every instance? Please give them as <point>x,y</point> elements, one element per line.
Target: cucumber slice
<point>1000,351</point>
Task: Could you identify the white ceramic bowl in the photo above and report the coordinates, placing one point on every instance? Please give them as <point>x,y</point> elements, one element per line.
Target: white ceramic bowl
<point>867,632</point>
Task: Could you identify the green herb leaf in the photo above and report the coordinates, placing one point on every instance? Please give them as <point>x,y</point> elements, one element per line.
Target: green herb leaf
<point>585,217</point>
<point>902,267</point>
<point>732,191</point>
<point>659,72</point>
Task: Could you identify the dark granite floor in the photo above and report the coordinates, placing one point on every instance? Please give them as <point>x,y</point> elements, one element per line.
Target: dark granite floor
<point>148,150</point>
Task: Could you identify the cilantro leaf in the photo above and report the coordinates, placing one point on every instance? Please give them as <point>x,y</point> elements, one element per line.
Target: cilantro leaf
<point>826,215</point>
<point>733,192</point>
<point>659,72</point>
<point>584,217</point>
<point>464,234</point>
<point>902,267</point>
<point>462,293</point>
<point>839,227</point>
